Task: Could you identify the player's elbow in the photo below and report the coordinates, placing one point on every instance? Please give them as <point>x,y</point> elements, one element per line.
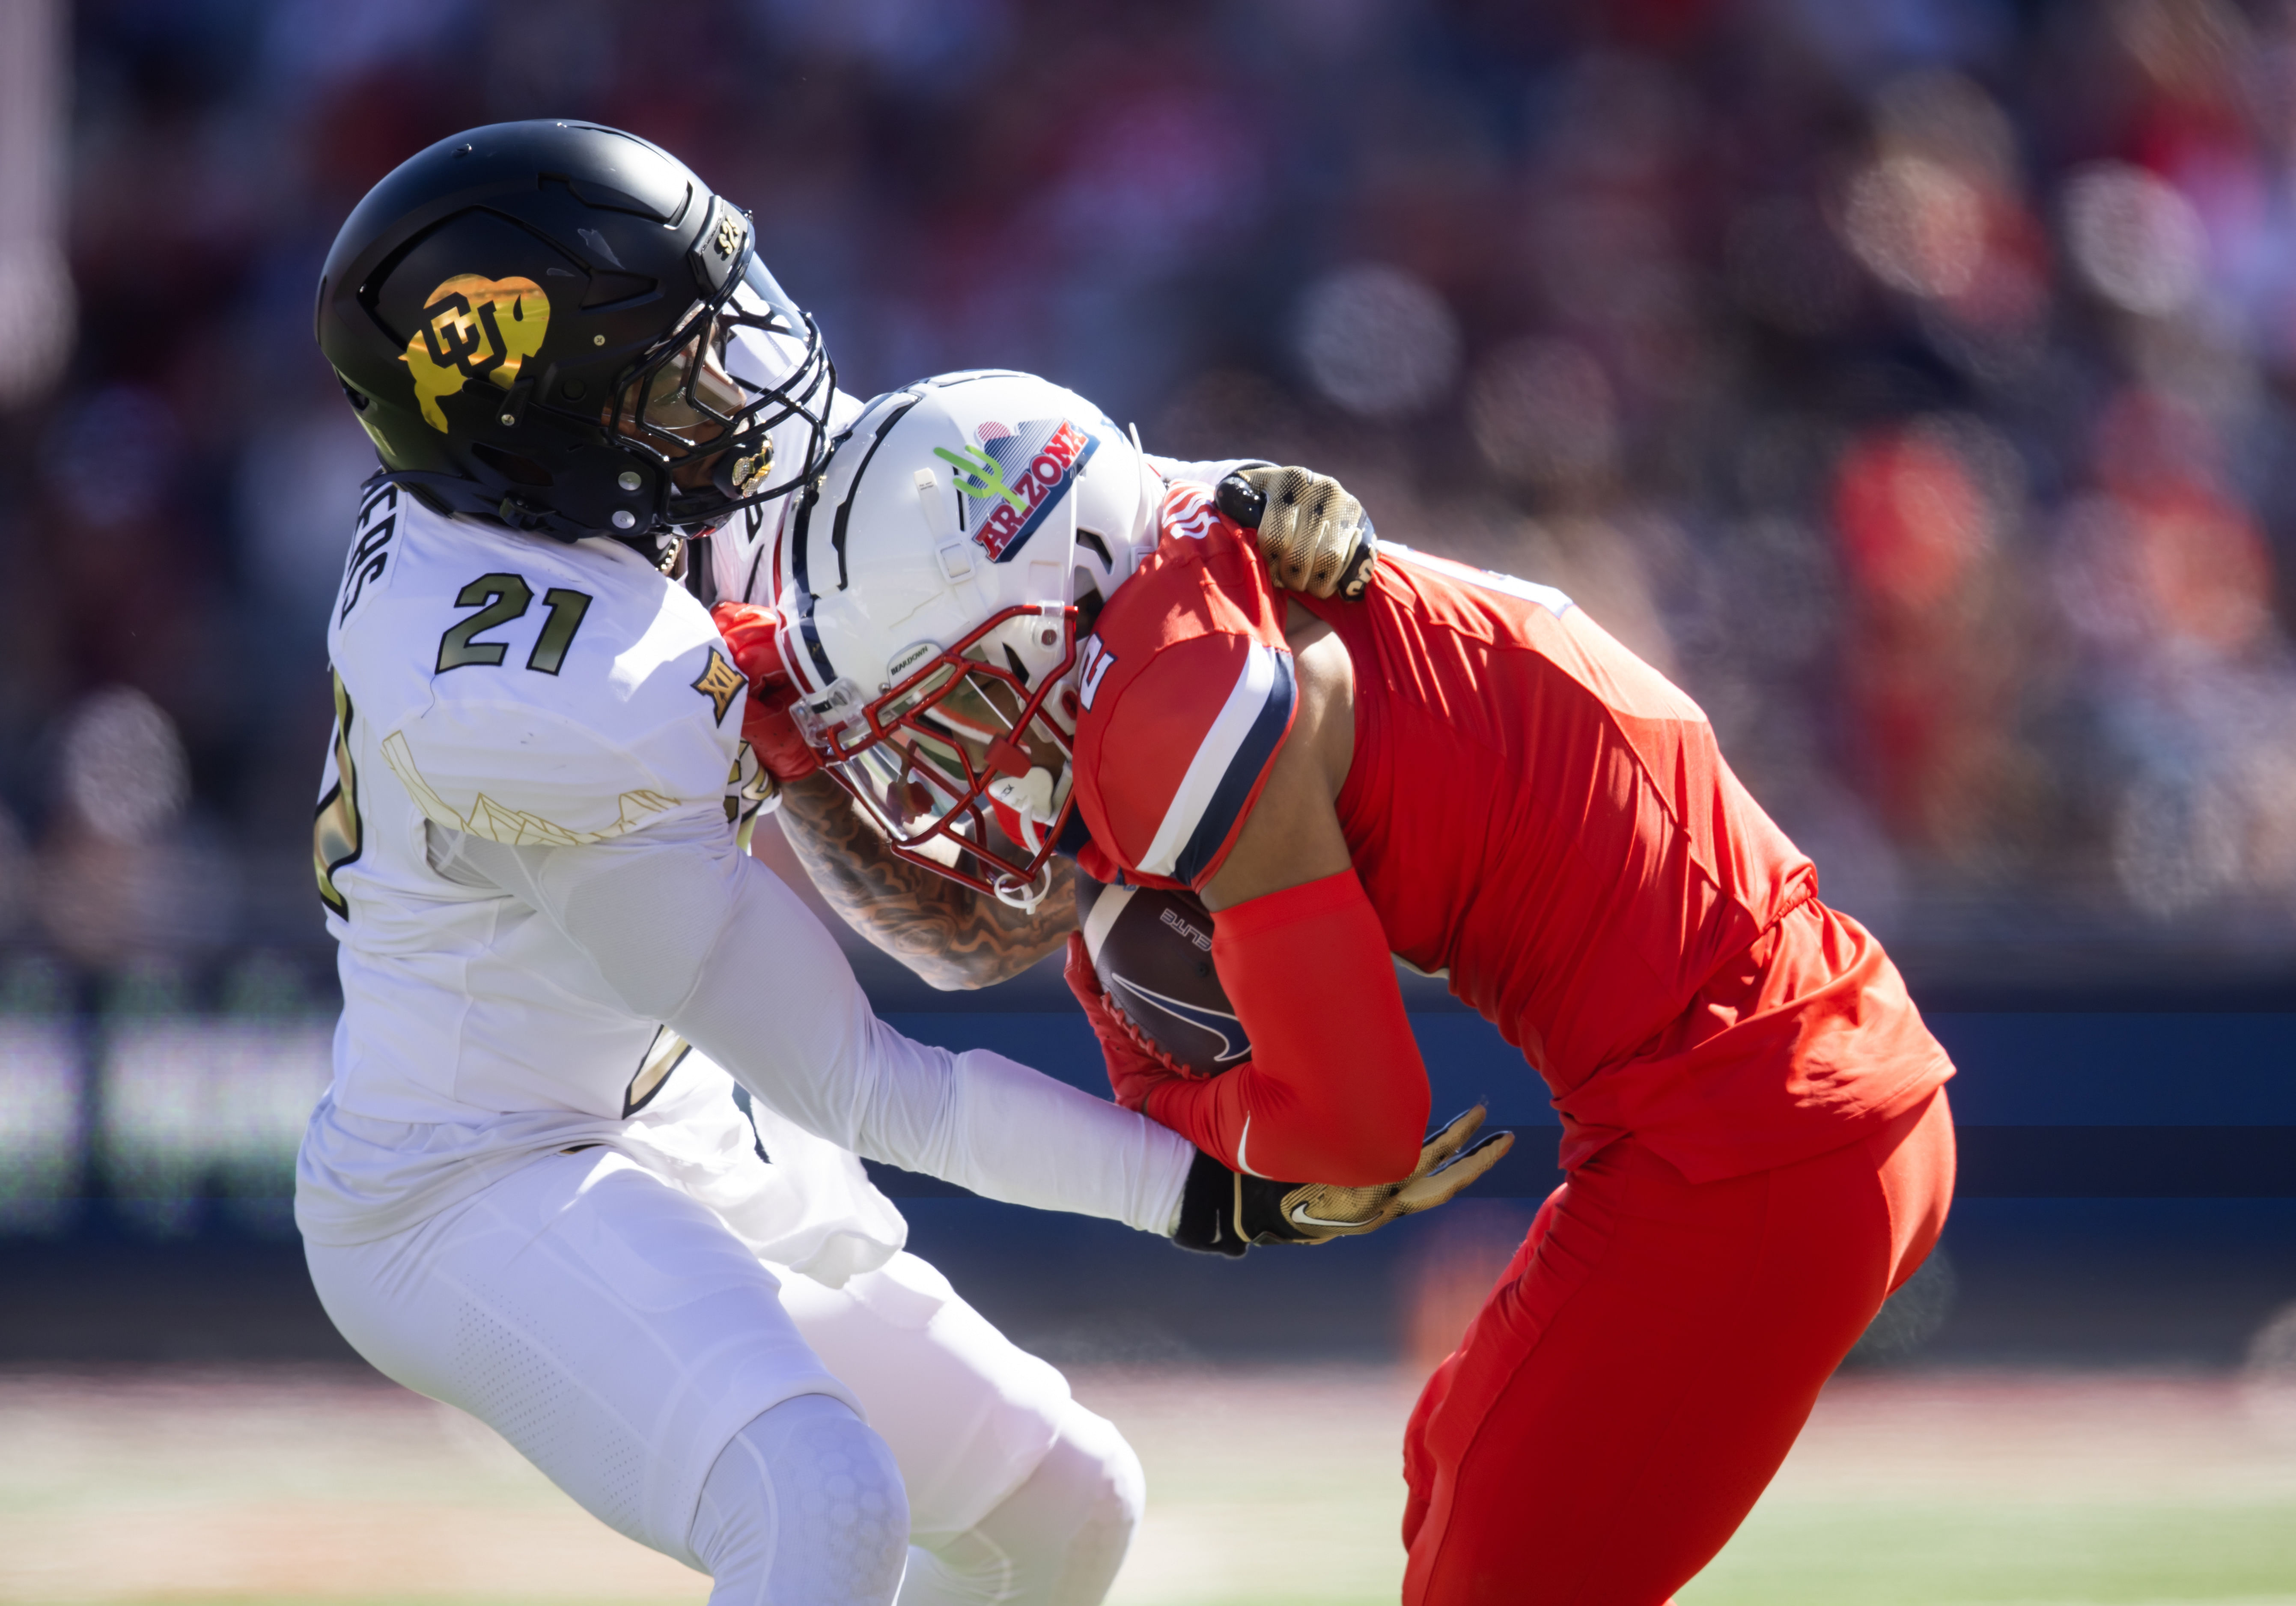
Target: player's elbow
<point>1366,1149</point>
<point>1347,1163</point>
<point>1386,1126</point>
<point>1387,1156</point>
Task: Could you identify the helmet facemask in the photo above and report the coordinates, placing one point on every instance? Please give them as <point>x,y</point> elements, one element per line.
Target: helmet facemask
<point>970,726</point>
<point>942,582</point>
<point>734,402</point>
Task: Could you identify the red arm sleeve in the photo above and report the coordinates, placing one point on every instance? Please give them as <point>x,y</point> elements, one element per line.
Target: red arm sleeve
<point>1334,1091</point>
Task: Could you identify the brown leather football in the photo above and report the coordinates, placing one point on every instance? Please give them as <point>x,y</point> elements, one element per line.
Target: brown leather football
<point>1152,950</point>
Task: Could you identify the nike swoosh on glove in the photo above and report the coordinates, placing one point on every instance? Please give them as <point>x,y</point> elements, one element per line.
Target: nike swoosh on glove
<point>1224,1212</point>
<point>752,635</point>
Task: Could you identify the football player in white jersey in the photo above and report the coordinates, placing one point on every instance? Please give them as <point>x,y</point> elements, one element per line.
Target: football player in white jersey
<point>587,1165</point>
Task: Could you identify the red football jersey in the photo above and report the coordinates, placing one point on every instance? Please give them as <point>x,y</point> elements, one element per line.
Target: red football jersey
<point>1531,809</point>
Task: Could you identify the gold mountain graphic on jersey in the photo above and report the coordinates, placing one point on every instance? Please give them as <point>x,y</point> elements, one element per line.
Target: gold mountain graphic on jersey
<point>474,328</point>
<point>499,823</point>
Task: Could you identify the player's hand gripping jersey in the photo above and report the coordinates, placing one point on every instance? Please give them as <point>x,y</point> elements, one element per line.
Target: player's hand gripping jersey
<point>526,844</point>
<point>1530,809</point>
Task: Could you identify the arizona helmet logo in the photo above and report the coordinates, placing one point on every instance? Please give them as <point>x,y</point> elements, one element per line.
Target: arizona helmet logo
<point>1018,476</point>
<point>474,328</point>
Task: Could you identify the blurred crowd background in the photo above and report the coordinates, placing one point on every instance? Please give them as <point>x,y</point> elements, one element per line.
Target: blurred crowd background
<point>1912,380</point>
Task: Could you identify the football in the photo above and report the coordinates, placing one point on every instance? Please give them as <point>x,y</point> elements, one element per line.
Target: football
<point>1152,950</point>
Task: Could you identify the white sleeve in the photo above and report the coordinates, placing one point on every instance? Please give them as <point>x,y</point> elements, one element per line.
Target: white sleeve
<point>688,930</point>
<point>1203,473</point>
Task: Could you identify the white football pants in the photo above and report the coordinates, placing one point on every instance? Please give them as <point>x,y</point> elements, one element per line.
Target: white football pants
<point>625,1341</point>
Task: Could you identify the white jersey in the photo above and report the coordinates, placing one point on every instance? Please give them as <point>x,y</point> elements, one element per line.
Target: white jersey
<point>519,690</point>
<point>537,772</point>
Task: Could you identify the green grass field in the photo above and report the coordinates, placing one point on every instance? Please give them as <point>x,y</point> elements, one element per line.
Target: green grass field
<point>2036,1552</point>
<point>260,1489</point>
<point>2018,1489</point>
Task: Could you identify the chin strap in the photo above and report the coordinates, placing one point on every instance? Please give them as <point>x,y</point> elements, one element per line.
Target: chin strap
<point>1025,896</point>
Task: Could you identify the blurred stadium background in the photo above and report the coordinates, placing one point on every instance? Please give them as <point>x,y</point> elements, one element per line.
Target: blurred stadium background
<point>1912,380</point>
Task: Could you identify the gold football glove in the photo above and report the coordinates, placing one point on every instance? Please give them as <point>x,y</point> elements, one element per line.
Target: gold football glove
<point>1314,536</point>
<point>1222,1212</point>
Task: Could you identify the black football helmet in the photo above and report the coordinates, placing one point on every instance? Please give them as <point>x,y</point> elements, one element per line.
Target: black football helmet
<point>557,326</point>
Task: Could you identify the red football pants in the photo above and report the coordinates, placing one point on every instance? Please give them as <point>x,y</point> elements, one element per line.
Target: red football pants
<point>1645,1361</point>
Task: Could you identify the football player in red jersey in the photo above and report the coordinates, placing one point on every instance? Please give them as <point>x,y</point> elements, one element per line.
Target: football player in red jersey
<point>1055,648</point>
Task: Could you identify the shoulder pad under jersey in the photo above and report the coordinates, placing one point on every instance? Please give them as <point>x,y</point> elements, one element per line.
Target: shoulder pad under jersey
<point>527,691</point>
<point>1185,694</point>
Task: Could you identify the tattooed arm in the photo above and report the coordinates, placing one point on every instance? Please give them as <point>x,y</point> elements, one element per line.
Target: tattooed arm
<point>947,933</point>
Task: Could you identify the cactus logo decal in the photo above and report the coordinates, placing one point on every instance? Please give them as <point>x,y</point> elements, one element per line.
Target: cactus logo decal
<point>1020,475</point>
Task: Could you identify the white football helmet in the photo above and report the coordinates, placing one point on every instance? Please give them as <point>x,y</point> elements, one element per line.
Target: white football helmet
<point>935,584</point>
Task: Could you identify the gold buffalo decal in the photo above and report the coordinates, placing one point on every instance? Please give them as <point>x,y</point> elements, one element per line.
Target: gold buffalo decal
<point>474,328</point>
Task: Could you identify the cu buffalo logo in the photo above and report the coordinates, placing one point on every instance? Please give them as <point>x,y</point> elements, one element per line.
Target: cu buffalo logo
<point>474,328</point>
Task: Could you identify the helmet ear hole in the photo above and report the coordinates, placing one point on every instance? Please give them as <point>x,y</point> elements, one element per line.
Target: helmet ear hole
<point>509,465</point>
<point>1088,601</point>
<point>612,290</point>
<point>1092,541</point>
